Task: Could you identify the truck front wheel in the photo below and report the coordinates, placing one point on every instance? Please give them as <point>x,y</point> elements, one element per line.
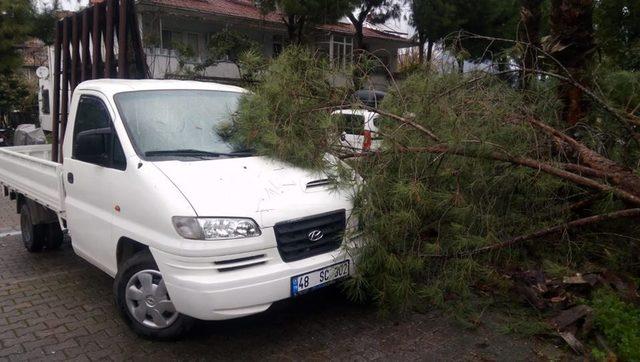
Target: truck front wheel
<point>32,235</point>
<point>143,300</point>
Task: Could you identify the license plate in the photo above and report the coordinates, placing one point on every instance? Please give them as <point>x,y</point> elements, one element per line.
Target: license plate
<point>319,278</point>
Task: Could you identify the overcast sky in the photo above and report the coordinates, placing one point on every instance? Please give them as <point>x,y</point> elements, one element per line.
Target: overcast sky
<point>392,25</point>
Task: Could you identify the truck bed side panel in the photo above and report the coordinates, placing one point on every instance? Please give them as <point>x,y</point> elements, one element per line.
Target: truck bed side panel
<point>27,170</point>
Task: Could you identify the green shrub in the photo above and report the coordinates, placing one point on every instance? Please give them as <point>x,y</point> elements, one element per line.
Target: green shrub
<point>619,322</point>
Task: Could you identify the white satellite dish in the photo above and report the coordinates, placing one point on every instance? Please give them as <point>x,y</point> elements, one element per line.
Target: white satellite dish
<point>42,72</point>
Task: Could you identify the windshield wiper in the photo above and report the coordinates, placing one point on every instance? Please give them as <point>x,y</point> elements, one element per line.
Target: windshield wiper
<point>195,153</point>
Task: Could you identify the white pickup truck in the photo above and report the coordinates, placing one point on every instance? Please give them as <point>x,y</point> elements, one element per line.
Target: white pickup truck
<point>190,226</point>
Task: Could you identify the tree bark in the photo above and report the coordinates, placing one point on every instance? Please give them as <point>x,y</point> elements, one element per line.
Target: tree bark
<point>622,214</point>
<point>623,194</point>
<point>529,33</point>
<point>619,175</point>
<point>573,46</point>
<point>429,50</point>
<point>291,28</point>
<point>358,25</point>
<point>421,41</point>
<point>300,27</point>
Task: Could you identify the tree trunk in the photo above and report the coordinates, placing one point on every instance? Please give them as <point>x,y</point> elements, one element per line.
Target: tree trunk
<point>291,28</point>
<point>421,41</point>
<point>461,66</point>
<point>429,51</point>
<point>573,37</point>
<point>529,33</point>
<point>300,27</point>
<point>359,36</point>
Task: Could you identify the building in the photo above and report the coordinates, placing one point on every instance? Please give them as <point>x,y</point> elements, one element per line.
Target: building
<point>192,22</point>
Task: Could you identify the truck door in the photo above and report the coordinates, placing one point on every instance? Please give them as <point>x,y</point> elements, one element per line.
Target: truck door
<point>92,167</point>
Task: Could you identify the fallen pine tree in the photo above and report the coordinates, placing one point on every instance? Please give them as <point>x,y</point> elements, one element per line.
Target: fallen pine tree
<point>474,178</point>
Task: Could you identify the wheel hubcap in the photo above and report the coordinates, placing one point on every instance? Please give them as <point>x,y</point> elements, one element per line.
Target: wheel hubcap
<point>148,300</point>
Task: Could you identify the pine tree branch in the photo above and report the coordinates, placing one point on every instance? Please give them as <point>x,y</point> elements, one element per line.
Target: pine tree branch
<point>619,175</point>
<point>406,121</point>
<point>530,163</point>
<point>591,220</point>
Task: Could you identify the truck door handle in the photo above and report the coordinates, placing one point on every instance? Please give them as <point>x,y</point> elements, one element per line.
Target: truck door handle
<point>70,177</point>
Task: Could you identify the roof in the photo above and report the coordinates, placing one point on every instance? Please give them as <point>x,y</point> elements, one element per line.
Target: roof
<point>110,87</point>
<point>245,9</point>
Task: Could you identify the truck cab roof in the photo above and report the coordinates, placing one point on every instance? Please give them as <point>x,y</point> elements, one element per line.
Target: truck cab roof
<point>110,87</point>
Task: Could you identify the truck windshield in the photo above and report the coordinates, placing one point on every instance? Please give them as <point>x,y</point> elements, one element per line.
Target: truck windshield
<point>180,123</point>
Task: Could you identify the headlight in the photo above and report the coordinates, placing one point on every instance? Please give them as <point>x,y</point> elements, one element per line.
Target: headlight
<point>215,228</point>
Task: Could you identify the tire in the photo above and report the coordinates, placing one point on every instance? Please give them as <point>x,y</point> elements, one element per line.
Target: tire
<point>147,309</point>
<point>55,236</point>
<point>33,236</point>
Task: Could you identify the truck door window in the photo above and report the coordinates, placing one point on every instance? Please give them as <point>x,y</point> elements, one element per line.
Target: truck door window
<point>94,138</point>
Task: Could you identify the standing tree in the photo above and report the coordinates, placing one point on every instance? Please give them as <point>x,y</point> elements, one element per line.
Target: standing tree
<point>493,18</point>
<point>15,27</point>
<point>373,11</point>
<point>19,20</point>
<point>433,20</point>
<point>44,21</point>
<point>529,36</point>
<point>618,31</point>
<point>298,15</point>
<point>572,44</point>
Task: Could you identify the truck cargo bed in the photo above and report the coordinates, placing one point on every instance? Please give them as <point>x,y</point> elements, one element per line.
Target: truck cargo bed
<point>28,170</point>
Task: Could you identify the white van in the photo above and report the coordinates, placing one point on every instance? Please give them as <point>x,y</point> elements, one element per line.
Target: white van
<point>189,225</point>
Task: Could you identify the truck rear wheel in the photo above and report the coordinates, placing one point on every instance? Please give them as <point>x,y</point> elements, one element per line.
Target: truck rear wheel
<point>143,300</point>
<point>32,235</point>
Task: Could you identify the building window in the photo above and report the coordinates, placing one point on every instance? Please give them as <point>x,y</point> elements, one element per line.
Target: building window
<point>172,40</point>
<point>342,51</point>
<point>339,50</point>
<point>191,41</point>
<point>168,38</point>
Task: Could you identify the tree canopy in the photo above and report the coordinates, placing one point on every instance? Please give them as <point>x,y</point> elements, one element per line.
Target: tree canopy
<point>15,27</point>
<point>435,19</point>
<point>618,31</point>
<point>372,11</point>
<point>299,15</point>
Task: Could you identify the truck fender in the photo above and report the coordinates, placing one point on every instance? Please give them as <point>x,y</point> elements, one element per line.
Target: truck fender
<point>126,249</point>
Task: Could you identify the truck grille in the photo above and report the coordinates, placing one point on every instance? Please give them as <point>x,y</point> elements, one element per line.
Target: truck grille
<point>310,236</point>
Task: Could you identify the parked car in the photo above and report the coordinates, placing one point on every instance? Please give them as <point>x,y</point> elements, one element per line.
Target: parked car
<point>359,130</point>
<point>371,98</point>
<point>5,136</point>
<point>190,227</point>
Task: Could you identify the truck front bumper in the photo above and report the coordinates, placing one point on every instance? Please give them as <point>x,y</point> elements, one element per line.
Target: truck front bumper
<point>233,286</point>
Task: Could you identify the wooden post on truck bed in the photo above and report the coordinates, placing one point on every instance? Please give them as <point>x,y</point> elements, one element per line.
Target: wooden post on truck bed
<point>108,40</point>
<point>96,42</point>
<point>122,42</point>
<point>55,111</point>
<point>64,99</point>
<point>80,40</point>
<point>75,55</point>
<point>85,69</point>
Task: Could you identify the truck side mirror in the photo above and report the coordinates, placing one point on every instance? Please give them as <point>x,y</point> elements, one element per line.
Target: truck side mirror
<point>93,146</point>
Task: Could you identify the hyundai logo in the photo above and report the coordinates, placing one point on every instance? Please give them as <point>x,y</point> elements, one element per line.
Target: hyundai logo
<point>315,235</point>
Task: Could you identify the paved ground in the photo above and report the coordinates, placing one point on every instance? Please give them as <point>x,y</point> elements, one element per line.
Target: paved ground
<point>53,305</point>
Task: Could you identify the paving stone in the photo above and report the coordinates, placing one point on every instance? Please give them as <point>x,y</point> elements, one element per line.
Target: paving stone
<point>56,306</point>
